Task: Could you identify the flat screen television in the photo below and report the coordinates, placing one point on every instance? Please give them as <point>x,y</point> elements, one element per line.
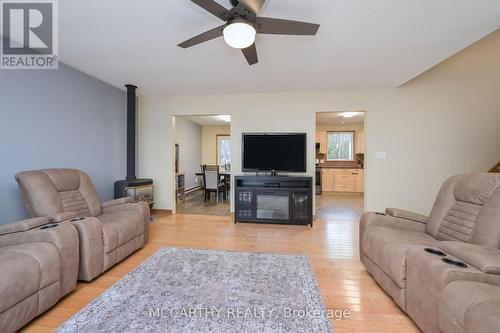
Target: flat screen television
<point>274,151</point>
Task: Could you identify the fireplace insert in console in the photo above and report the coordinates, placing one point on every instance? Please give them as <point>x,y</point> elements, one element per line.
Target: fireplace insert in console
<point>274,199</point>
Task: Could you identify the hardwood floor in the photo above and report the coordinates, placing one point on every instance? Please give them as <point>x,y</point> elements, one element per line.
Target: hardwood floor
<point>332,246</point>
<point>194,204</point>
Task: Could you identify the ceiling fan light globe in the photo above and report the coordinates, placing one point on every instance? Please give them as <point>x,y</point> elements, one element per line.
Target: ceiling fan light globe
<point>239,35</point>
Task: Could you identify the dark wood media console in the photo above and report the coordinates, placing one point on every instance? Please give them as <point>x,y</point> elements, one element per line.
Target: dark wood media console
<point>274,199</point>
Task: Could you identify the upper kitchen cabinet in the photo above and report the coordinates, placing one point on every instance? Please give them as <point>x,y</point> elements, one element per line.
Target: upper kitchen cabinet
<point>360,142</point>
<point>321,139</point>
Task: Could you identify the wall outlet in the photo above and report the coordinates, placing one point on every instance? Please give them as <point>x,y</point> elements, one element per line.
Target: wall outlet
<point>196,180</point>
<point>380,155</point>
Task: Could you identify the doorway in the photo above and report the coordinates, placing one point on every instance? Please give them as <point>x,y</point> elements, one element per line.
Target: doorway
<point>340,164</point>
<point>202,175</point>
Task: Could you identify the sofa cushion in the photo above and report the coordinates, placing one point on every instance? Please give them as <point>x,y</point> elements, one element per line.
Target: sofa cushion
<point>21,280</point>
<point>387,247</point>
<point>476,188</point>
<point>467,301</point>
<point>119,227</point>
<point>52,191</point>
<point>46,258</point>
<point>31,267</point>
<point>466,209</point>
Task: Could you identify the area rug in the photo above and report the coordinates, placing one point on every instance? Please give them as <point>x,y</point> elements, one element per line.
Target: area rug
<point>189,290</point>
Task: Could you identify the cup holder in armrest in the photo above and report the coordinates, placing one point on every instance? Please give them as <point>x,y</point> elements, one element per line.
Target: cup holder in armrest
<point>454,262</point>
<point>435,252</point>
<point>378,213</point>
<point>48,226</point>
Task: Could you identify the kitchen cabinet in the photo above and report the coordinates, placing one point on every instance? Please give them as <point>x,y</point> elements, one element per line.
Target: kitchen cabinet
<point>360,181</point>
<point>360,142</point>
<point>342,180</point>
<point>327,180</point>
<point>321,139</point>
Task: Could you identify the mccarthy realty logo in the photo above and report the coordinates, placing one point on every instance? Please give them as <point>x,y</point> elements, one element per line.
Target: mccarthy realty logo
<point>30,34</point>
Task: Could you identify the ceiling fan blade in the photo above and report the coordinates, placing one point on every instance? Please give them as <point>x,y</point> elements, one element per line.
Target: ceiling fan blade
<point>250,54</point>
<point>267,25</point>
<point>203,37</point>
<point>214,8</point>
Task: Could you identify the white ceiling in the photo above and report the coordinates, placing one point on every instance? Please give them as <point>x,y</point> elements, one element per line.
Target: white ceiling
<point>360,44</point>
<point>337,118</point>
<point>209,120</point>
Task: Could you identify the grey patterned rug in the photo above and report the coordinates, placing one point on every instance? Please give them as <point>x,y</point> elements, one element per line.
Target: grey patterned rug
<point>188,290</point>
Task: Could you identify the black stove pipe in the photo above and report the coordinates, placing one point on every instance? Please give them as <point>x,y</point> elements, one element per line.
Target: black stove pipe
<point>131,119</point>
<point>122,187</point>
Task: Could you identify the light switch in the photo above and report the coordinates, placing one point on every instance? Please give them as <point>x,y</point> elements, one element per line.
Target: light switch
<point>380,155</point>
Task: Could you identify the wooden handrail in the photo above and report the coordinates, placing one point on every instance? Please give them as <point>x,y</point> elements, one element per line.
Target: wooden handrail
<point>496,168</point>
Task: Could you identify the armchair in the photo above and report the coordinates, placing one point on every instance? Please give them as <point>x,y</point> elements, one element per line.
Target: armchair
<point>108,232</point>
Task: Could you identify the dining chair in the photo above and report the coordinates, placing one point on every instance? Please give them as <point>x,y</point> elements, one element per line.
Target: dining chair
<point>213,184</point>
<point>211,167</point>
<point>227,177</point>
<point>214,167</point>
<point>202,168</point>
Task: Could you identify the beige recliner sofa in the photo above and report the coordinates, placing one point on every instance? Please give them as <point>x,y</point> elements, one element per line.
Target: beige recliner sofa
<point>38,266</point>
<point>108,232</point>
<point>414,257</point>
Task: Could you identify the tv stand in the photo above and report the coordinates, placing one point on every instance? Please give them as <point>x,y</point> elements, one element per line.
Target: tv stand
<point>274,199</point>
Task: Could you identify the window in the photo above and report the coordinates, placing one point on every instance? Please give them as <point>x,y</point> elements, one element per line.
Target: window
<point>223,150</point>
<point>340,146</point>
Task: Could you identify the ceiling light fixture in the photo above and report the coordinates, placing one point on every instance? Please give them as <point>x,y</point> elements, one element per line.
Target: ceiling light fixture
<point>239,34</point>
<point>349,114</point>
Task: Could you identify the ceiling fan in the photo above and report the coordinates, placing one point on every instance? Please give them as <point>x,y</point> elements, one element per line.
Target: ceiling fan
<point>242,25</point>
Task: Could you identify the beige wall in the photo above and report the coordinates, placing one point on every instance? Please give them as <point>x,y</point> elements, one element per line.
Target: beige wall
<point>188,136</point>
<point>209,142</point>
<point>442,123</point>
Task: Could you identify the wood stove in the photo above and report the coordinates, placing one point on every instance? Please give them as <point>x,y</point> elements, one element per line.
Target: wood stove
<point>141,189</point>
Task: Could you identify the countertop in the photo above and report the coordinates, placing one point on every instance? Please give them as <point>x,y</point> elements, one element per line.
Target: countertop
<point>323,166</point>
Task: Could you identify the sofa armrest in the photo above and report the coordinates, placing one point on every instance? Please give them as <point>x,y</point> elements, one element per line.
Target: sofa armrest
<point>407,215</point>
<point>63,217</point>
<point>23,225</point>
<point>91,248</point>
<point>64,237</point>
<point>375,219</point>
<point>486,259</point>
<point>117,202</point>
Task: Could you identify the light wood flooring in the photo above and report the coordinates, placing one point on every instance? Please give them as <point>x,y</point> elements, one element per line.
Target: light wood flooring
<point>332,246</point>
<point>195,204</point>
